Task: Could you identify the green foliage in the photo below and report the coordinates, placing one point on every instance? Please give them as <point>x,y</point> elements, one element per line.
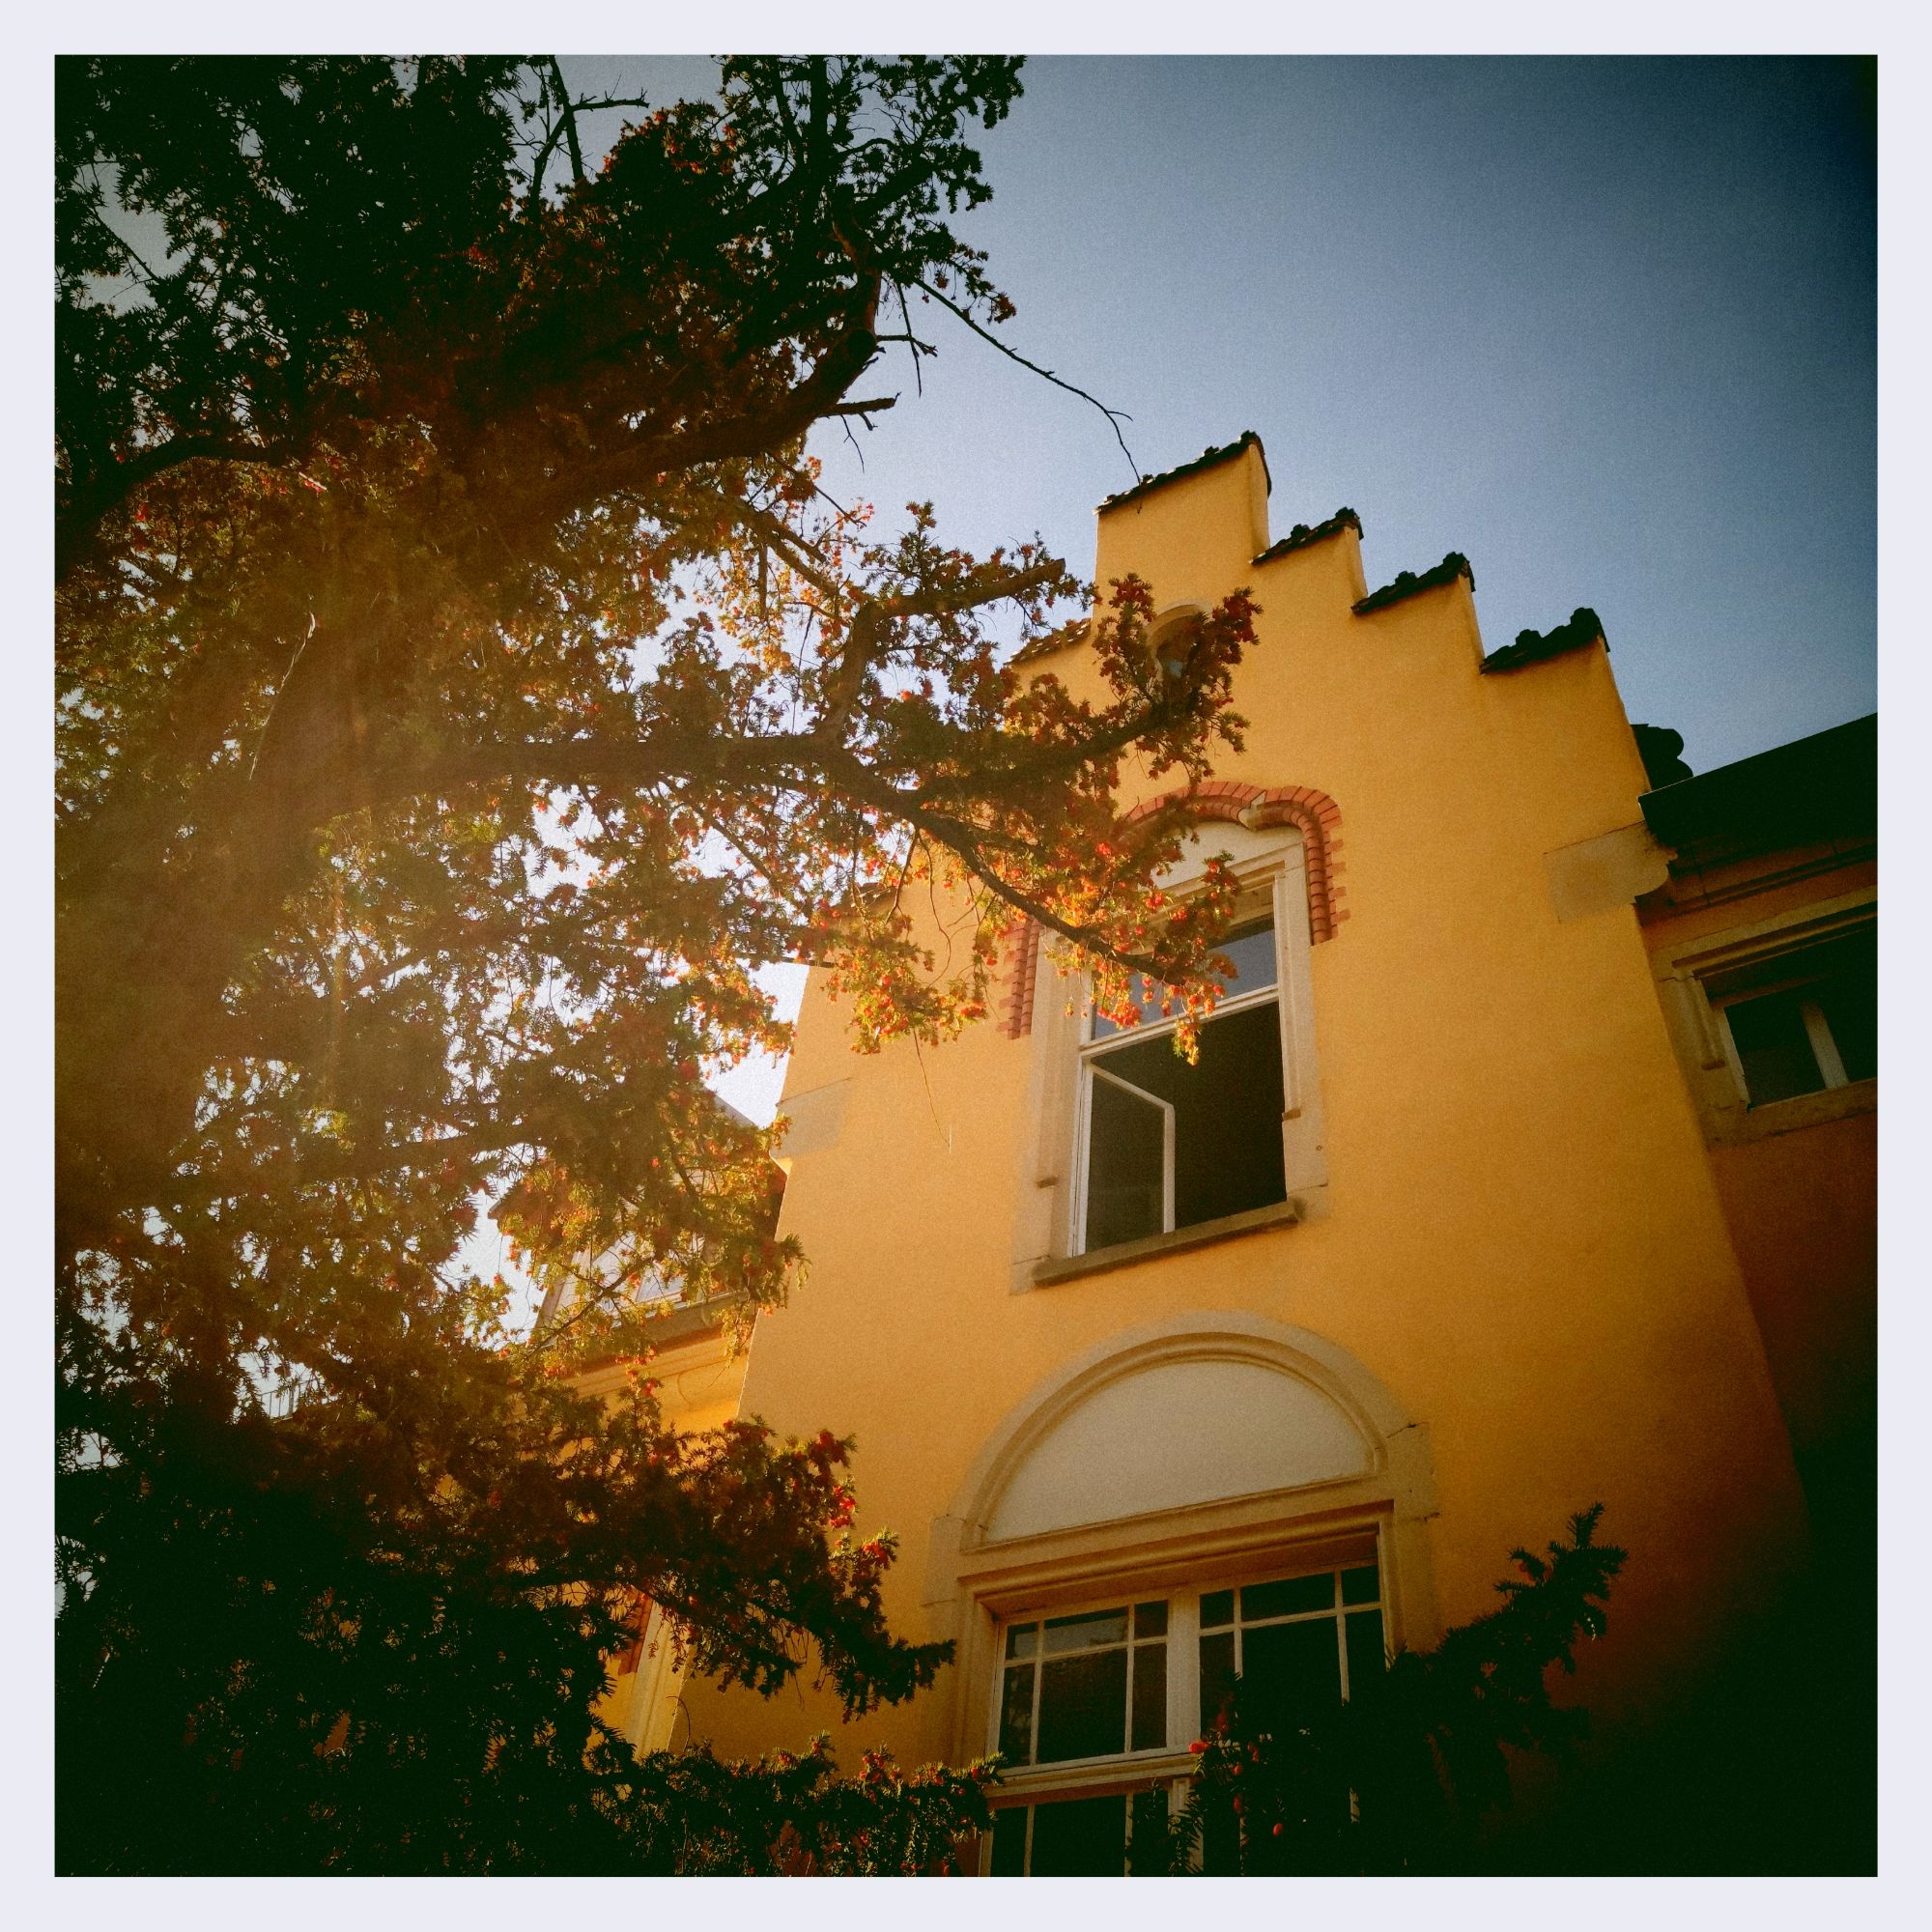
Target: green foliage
<point>463,682</point>
<point>368,1634</point>
<point>1399,1778</point>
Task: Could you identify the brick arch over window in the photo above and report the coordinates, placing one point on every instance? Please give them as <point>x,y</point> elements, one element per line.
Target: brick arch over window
<point>1313,814</point>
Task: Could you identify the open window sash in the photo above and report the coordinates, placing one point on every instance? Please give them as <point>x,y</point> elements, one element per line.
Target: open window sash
<point>1130,1185</point>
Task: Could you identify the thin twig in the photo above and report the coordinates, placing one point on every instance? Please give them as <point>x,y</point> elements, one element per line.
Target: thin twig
<point>1115,418</point>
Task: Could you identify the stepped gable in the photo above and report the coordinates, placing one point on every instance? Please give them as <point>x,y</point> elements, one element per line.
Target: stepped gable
<point>1304,534</point>
<point>1410,584</point>
<point>1206,460</point>
<point>1074,633</point>
<point>1584,629</point>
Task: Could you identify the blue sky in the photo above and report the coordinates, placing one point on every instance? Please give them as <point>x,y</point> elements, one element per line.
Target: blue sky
<point>1607,326</point>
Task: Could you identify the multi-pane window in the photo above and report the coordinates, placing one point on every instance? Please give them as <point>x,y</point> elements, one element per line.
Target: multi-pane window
<point>1086,1685</point>
<point>1293,1643</point>
<point>1803,1021</point>
<point>1098,1685</point>
<point>1165,1145</point>
<point>1075,1837</point>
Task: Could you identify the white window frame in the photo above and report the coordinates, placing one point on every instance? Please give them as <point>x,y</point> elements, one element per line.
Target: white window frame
<point>1702,1035</point>
<point>1093,1052</point>
<point>1107,1601</point>
<point>1170,1766</point>
<point>1817,1031</point>
<point>1050,1229</point>
<point>1089,1073</point>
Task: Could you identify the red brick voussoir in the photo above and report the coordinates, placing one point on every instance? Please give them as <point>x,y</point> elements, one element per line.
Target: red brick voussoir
<point>1313,814</point>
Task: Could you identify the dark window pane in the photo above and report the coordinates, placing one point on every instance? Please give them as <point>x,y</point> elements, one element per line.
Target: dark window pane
<point>1009,1842</point>
<point>1147,1851</point>
<point>1082,1707</point>
<point>1774,1049</point>
<point>1150,1620</point>
<point>1016,1714</point>
<point>1217,1677</point>
<point>1220,1841</point>
<point>1226,1131</point>
<point>1085,1631</point>
<point>1081,1838</point>
<point>1020,1639</point>
<point>1290,1594</point>
<point>1125,1163</point>
<point>1850,1005</point>
<point>1366,1657</point>
<point>1217,1608</point>
<point>1361,1586</point>
<point>1149,1696</point>
<point>1227,1121</point>
<point>1290,1671</point>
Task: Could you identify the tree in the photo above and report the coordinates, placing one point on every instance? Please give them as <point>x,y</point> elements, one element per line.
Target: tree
<point>1402,1776</point>
<point>463,682</point>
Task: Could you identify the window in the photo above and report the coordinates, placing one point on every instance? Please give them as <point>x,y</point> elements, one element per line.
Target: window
<point>1165,1145</point>
<point>1131,1145</point>
<point>1802,1021</point>
<point>1111,1696</point>
<point>1293,1643</point>
<point>1085,1686</point>
<point>1776,1019</point>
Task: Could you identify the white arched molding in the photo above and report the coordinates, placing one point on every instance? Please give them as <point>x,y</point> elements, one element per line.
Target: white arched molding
<point>1164,623</point>
<point>1269,861</point>
<point>1311,1457</point>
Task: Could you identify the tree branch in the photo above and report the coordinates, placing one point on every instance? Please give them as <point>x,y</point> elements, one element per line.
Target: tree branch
<point>78,520</point>
<point>567,112</point>
<point>1115,418</point>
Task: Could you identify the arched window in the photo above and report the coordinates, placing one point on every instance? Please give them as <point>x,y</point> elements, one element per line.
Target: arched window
<point>1213,1496</point>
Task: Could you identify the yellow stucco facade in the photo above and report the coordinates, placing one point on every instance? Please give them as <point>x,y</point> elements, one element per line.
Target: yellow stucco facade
<point>1507,1281</point>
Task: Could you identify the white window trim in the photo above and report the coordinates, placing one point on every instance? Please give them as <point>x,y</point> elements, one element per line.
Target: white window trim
<point>1048,1776</point>
<point>1084,1116</point>
<point>974,1583</point>
<point>1172,1764</point>
<point>1051,1222</point>
<point>1702,1036</point>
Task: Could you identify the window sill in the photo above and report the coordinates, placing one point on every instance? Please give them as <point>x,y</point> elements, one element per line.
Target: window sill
<point>1739,1125</point>
<point>1028,1784</point>
<point>1069,1267</point>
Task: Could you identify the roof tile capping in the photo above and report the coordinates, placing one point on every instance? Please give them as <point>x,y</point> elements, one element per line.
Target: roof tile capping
<point>1304,534</point>
<point>1584,628</point>
<point>1053,640</point>
<point>1206,460</point>
<point>1409,584</point>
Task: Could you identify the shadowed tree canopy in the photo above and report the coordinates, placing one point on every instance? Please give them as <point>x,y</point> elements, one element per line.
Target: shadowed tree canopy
<point>462,683</point>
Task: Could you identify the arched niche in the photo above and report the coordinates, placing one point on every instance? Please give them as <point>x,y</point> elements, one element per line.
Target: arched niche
<point>1175,1432</point>
<point>1211,1443</point>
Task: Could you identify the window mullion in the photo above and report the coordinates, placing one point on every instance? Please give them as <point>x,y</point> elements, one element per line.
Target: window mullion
<point>1183,1669</point>
<point>1083,1155</point>
<point>1167,1170</point>
<point>1284,1020</point>
<point>1038,1678</point>
<point>1830,1063</point>
<point>1341,1640</point>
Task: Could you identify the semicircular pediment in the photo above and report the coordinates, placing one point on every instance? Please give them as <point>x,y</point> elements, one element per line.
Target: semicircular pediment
<point>1176,1432</point>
